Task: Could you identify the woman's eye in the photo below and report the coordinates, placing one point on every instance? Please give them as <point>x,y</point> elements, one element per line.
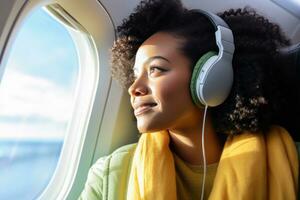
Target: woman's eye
<point>155,70</point>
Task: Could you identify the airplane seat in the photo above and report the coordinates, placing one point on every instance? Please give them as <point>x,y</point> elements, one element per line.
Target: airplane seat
<point>289,118</point>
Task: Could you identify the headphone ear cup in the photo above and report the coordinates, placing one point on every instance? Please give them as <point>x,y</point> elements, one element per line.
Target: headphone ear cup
<point>195,75</point>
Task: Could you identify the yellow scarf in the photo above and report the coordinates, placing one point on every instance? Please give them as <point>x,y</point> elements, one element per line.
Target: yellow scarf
<point>252,166</point>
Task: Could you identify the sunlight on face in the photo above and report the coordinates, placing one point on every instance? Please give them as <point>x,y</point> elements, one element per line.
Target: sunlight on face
<point>160,95</point>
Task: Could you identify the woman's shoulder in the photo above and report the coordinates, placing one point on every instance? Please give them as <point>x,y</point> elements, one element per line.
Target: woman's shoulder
<point>280,131</point>
<point>129,148</point>
<point>113,165</point>
<point>117,157</point>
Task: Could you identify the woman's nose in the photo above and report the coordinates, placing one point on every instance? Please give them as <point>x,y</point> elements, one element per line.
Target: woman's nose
<point>138,88</point>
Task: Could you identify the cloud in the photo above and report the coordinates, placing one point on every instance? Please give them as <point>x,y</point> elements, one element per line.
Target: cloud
<point>29,131</point>
<point>24,97</point>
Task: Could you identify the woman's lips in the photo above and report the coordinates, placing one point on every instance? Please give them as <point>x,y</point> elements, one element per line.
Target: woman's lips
<point>143,108</point>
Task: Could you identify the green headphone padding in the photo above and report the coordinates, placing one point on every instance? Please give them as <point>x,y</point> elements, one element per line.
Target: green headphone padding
<point>196,72</point>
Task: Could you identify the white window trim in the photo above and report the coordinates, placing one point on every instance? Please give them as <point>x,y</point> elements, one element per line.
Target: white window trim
<point>92,91</point>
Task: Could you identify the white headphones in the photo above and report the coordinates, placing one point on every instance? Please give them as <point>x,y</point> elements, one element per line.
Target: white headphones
<point>212,76</point>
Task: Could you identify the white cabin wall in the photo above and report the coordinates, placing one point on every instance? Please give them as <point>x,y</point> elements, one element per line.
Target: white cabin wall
<point>290,23</point>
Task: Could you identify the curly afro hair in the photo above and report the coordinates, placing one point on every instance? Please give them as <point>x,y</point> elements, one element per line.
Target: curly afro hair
<point>255,95</point>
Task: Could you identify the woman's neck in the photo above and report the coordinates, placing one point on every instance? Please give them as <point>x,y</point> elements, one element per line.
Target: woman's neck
<point>187,143</point>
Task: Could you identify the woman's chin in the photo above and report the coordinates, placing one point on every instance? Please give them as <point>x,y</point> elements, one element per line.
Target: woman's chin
<point>147,128</point>
<point>143,129</point>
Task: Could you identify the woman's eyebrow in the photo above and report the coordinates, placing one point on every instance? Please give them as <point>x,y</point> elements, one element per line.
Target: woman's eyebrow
<point>135,69</point>
<point>155,57</point>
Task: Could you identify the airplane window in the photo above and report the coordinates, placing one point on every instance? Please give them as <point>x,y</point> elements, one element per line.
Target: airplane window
<point>37,92</point>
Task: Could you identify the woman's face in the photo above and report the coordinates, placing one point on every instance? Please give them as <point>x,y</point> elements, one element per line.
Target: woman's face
<point>160,94</point>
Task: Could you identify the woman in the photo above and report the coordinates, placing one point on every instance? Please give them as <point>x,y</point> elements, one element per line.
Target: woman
<point>158,46</point>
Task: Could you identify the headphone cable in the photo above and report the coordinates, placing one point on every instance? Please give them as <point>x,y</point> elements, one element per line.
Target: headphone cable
<point>203,154</point>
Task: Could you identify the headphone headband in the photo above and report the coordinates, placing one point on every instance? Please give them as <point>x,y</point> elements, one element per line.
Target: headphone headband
<point>215,19</point>
<point>224,36</point>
